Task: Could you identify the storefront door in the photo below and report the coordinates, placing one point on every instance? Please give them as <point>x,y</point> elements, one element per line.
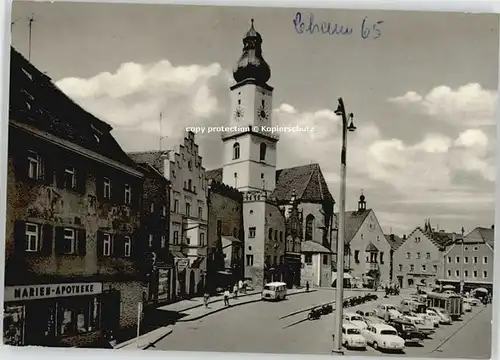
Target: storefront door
<point>40,323</point>
<point>110,310</point>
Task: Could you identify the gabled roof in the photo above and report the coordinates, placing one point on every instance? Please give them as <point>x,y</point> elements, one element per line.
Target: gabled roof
<point>151,158</point>
<point>307,181</point>
<point>371,248</point>
<point>35,101</point>
<point>353,221</point>
<point>314,247</point>
<point>394,241</point>
<point>481,234</point>
<point>440,239</point>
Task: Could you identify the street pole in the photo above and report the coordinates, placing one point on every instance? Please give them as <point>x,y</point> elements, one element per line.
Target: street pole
<point>462,265</point>
<point>339,293</point>
<point>139,316</point>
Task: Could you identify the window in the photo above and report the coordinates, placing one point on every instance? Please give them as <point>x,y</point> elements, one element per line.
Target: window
<point>250,248</point>
<point>236,151</point>
<point>356,256</point>
<point>188,240</point>
<point>200,213</point>
<point>35,171</point>
<point>418,255</point>
<point>32,237</point>
<point>449,259</point>
<point>275,235</point>
<point>176,237</point>
<point>70,177</point>
<point>457,273</point>
<point>381,257</point>
<point>263,148</point>
<point>106,245</point>
<point>202,239</point>
<point>428,256</point>
<point>424,268</point>
<point>249,260</point>
<point>457,259</point>
<point>308,259</point>
<point>434,268</point>
<point>309,227</point>
<point>412,267</point>
<point>190,165</point>
<point>128,194</point>
<point>466,259</point>
<point>69,245</point>
<point>107,188</point>
<point>466,273</point>
<point>475,260</point>
<point>150,240</point>
<point>77,316</point>
<point>476,248</point>
<point>474,273</point>
<point>325,259</point>
<point>188,209</point>
<point>270,234</point>
<point>400,267</point>
<point>152,208</point>
<point>485,260</point>
<point>485,274</point>
<point>176,206</point>
<point>408,255</point>
<point>128,245</point>
<point>281,236</point>
<point>251,232</point>
<point>164,210</point>
<point>235,180</point>
<point>466,248</point>
<point>449,273</point>
<point>190,184</point>
<point>163,242</point>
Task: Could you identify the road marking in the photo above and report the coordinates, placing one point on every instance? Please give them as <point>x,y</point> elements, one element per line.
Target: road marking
<point>438,348</point>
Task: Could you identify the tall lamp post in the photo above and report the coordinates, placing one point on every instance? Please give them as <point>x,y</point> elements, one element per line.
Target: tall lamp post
<point>347,125</point>
<point>462,265</point>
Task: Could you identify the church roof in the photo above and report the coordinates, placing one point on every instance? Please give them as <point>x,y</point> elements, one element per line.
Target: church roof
<point>371,248</point>
<point>394,241</point>
<point>314,247</point>
<point>307,181</point>
<point>353,221</point>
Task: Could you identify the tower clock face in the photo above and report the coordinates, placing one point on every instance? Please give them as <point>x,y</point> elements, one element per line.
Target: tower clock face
<point>262,113</point>
<point>238,113</point>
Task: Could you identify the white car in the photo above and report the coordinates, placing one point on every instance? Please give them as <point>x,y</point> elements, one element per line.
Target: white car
<point>429,316</point>
<point>388,312</point>
<point>351,337</point>
<point>355,319</point>
<point>383,336</point>
<point>466,306</point>
<point>443,315</point>
<point>426,327</point>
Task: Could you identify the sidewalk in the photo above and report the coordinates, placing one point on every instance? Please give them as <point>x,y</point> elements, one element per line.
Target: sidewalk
<point>146,340</point>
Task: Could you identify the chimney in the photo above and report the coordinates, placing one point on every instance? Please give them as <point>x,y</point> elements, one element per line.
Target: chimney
<point>404,237</point>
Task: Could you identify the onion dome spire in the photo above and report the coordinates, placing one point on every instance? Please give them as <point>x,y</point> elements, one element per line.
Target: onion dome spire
<point>251,64</point>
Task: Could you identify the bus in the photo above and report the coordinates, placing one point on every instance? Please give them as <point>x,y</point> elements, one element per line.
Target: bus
<point>452,303</point>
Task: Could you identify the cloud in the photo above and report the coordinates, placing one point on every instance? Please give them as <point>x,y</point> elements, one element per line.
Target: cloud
<point>470,104</point>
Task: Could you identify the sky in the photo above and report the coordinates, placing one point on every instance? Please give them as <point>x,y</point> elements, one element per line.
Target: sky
<point>423,92</point>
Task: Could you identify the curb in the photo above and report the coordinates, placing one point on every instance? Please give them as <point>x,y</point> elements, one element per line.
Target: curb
<point>235,305</point>
<point>152,343</point>
<point>125,344</point>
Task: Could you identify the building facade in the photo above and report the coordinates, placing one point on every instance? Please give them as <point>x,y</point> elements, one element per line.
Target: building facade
<point>317,268</point>
<point>476,261</point>
<point>155,231</point>
<point>420,259</point>
<point>395,242</point>
<point>225,266</point>
<point>294,220</point>
<point>367,251</point>
<point>72,248</point>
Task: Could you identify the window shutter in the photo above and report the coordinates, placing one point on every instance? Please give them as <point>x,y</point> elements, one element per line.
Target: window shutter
<point>118,246</point>
<point>21,164</point>
<point>20,236</point>
<point>48,171</point>
<point>60,246</point>
<point>100,243</point>
<point>82,241</point>
<point>47,236</point>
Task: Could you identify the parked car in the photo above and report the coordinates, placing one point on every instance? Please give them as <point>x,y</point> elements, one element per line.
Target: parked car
<point>355,319</point>
<point>411,305</point>
<point>444,316</point>
<point>370,317</point>
<point>433,319</point>
<point>387,312</point>
<point>474,301</point>
<point>383,336</point>
<point>352,337</point>
<point>425,327</point>
<point>466,305</point>
<point>407,331</point>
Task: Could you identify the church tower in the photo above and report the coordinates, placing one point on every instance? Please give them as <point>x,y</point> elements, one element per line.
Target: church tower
<point>250,150</point>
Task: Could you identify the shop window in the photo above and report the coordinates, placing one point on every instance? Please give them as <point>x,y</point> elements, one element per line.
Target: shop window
<point>128,245</point>
<point>32,237</point>
<point>78,316</point>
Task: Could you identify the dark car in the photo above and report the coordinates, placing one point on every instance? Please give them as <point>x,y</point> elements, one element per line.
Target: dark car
<point>407,331</point>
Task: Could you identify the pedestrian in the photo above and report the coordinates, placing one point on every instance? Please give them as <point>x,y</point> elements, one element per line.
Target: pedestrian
<point>235,291</point>
<point>240,285</point>
<point>226,297</point>
<point>307,286</point>
<point>206,297</point>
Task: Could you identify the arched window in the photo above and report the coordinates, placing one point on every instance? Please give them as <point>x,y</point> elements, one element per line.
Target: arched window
<point>263,148</point>
<point>236,151</point>
<point>310,227</point>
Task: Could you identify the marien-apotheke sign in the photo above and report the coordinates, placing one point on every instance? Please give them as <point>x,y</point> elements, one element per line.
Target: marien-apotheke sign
<point>47,291</point>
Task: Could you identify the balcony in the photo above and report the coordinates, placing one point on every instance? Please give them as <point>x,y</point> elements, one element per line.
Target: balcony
<point>371,266</point>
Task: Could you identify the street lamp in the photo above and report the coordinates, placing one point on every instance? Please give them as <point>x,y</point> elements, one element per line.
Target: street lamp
<point>347,125</point>
<point>462,265</point>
